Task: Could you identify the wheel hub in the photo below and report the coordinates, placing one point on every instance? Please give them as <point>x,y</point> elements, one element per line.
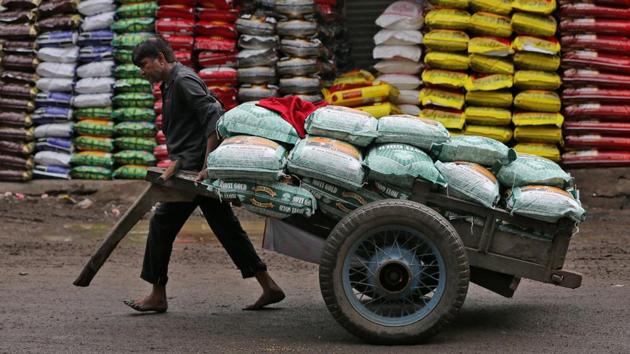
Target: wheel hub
<point>394,276</point>
<point>393,271</point>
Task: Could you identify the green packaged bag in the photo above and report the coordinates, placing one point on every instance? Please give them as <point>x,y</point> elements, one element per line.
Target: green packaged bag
<point>137,9</point>
<point>83,143</point>
<point>533,170</point>
<point>133,85</point>
<point>130,172</point>
<point>91,172</point>
<point>341,123</point>
<point>100,113</point>
<point>412,130</point>
<point>134,157</point>
<point>336,201</point>
<point>92,158</point>
<point>136,129</point>
<point>123,56</point>
<point>134,114</point>
<point>476,149</point>
<point>137,100</point>
<point>95,127</point>
<point>127,71</point>
<point>400,165</point>
<point>133,143</point>
<point>544,203</point>
<point>137,24</point>
<point>250,119</point>
<point>130,40</point>
<point>470,181</point>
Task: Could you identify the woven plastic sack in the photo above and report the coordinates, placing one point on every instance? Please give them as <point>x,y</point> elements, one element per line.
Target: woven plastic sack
<point>327,159</point>
<point>137,100</point>
<point>490,46</point>
<point>470,181</point>
<point>536,6</point>
<point>534,25</point>
<point>135,129</point>
<point>449,118</point>
<point>92,158</point>
<point>86,143</point>
<point>489,82</point>
<point>489,24</point>
<point>406,129</point>
<point>142,9</point>
<point>544,203</point>
<point>91,172</point>
<point>447,61</point>
<point>335,201</point>
<point>533,170</point>
<point>454,79</point>
<point>441,98</point>
<point>443,40</point>
<point>488,115</point>
<point>247,157</point>
<point>548,151</point>
<point>500,99</point>
<point>447,19</point>
<point>95,128</point>
<point>134,157</point>
<point>251,119</point>
<point>133,115</point>
<point>133,143</point>
<point>476,149</point>
<point>537,100</point>
<point>536,61</point>
<point>130,172</point>
<point>503,134</point>
<point>537,80</point>
<point>501,7</point>
<point>491,65</point>
<point>545,134</point>
<point>537,118</point>
<point>341,123</point>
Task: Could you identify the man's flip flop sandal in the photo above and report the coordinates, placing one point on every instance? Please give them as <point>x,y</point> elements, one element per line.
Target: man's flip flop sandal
<point>139,308</point>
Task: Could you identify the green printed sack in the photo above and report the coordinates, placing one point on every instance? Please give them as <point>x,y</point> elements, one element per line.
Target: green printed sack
<point>400,165</point>
<point>135,129</point>
<point>247,157</point>
<point>94,143</point>
<point>412,130</point>
<point>470,181</point>
<point>136,100</point>
<point>95,127</point>
<point>544,203</point>
<point>123,56</point>
<point>133,85</point>
<point>476,149</point>
<point>533,170</point>
<point>91,172</point>
<point>342,123</point>
<point>99,113</point>
<point>336,201</point>
<point>127,25</point>
<point>250,119</point>
<point>127,71</point>
<point>134,157</point>
<point>132,143</point>
<point>130,40</point>
<point>92,158</point>
<point>329,160</point>
<point>390,191</point>
<point>137,9</point>
<point>134,114</point>
<point>275,199</point>
<point>130,172</point>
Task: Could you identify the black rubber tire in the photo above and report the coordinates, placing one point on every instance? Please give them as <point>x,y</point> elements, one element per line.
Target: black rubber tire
<point>379,214</point>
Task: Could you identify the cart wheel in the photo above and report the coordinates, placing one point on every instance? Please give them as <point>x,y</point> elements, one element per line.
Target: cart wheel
<point>394,272</point>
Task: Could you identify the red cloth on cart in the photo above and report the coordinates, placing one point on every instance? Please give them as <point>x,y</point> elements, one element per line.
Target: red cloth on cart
<point>292,109</point>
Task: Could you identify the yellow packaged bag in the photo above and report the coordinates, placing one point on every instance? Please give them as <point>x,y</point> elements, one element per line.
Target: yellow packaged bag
<point>502,7</point>
<point>352,79</point>
<point>547,45</point>
<point>538,118</point>
<point>450,118</point>
<point>441,98</point>
<point>536,61</point>
<point>380,109</point>
<point>500,99</point>
<point>538,101</point>
<point>362,96</point>
<point>447,19</point>
<point>456,132</point>
<point>488,116</point>
<point>447,61</point>
<point>444,77</point>
<point>446,40</point>
<point>535,25</point>
<point>490,82</point>
<point>491,65</point>
<point>490,46</point>
<point>549,151</point>
<point>536,6</point>
<point>501,134</point>
<point>457,4</point>
<point>537,80</point>
<point>489,24</point>
<point>546,134</point>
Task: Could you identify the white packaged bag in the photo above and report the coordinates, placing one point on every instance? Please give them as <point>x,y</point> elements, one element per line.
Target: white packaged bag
<point>96,69</point>
<point>48,84</point>
<point>98,22</point>
<point>92,100</point>
<point>93,7</point>
<point>48,158</point>
<point>399,66</point>
<point>413,53</point>
<point>402,15</point>
<point>59,54</point>
<point>59,70</point>
<point>409,109</point>
<point>470,181</point>
<point>401,81</point>
<point>95,85</point>
<point>393,37</point>
<point>408,97</point>
<point>55,130</point>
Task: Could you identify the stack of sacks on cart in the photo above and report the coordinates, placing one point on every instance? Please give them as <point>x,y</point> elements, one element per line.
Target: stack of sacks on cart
<point>347,158</point>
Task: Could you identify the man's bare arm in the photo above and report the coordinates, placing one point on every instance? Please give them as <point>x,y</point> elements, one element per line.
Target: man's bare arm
<point>213,142</point>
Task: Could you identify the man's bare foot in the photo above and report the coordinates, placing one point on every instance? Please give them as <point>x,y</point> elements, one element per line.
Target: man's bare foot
<point>269,297</point>
<point>156,301</point>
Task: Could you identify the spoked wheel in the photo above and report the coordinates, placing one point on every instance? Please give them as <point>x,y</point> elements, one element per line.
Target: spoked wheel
<point>394,272</point>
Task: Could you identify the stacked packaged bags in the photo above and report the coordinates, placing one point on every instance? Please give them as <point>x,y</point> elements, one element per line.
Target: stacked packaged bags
<point>175,21</point>
<point>58,55</point>
<point>94,129</point>
<point>398,52</point>
<point>595,40</point>
<point>133,100</point>
<point>17,89</point>
<point>334,37</point>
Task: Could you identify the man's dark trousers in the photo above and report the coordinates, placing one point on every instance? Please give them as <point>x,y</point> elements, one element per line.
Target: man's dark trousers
<point>169,219</point>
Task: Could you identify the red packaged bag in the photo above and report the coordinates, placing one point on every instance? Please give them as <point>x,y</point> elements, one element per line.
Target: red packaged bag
<point>179,42</point>
<point>594,94</point>
<point>207,59</point>
<point>581,25</point>
<point>617,3</point>
<point>158,122</point>
<point>160,137</point>
<point>215,28</point>
<point>157,93</point>
<point>164,163</point>
<point>176,11</point>
<point>228,16</point>
<point>597,127</point>
<point>596,158</point>
<point>157,107</point>
<point>174,26</point>
<point>585,77</point>
<point>597,111</point>
<point>225,94</point>
<point>595,60</point>
<point>593,10</point>
<point>600,43</point>
<point>217,4</point>
<point>215,43</point>
<point>217,75</point>
<point>184,57</point>
<point>597,141</point>
<point>160,152</point>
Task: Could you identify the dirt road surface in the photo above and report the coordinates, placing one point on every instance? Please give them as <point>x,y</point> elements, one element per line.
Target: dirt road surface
<point>44,243</point>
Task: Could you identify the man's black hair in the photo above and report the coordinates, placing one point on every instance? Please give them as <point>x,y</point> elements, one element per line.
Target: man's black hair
<point>152,48</point>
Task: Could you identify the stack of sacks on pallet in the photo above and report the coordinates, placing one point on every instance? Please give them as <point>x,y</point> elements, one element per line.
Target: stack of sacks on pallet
<point>94,87</point>
<point>596,60</point>
<point>133,100</point>
<point>57,72</point>
<point>399,54</point>
<point>17,89</point>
